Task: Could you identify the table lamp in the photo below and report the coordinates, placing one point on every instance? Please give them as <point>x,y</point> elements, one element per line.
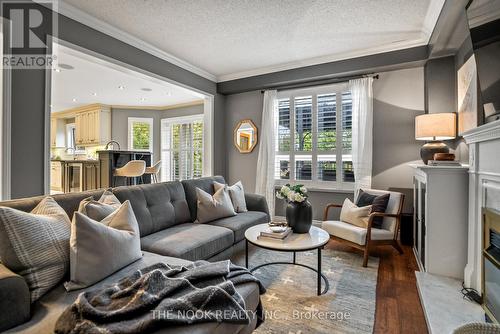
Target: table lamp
<point>434,128</point>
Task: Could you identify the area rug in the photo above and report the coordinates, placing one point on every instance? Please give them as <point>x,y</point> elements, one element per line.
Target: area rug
<point>291,304</point>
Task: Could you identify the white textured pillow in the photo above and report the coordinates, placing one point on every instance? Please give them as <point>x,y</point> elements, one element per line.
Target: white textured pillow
<point>213,207</point>
<point>101,208</point>
<point>355,215</point>
<point>237,195</point>
<point>36,245</point>
<point>98,249</point>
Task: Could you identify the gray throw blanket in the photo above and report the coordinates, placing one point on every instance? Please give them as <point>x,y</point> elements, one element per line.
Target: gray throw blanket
<point>161,295</point>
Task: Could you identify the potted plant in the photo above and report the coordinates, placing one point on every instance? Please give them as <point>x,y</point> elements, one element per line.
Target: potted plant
<point>298,209</point>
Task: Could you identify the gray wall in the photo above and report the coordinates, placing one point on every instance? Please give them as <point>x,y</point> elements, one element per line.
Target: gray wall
<point>440,90</point>
<point>398,98</point>
<point>119,123</point>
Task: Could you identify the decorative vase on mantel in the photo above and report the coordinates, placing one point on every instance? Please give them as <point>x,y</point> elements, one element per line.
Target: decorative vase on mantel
<point>298,209</point>
<point>299,216</point>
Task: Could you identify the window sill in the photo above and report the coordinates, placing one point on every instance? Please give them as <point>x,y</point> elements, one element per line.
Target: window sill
<point>320,189</point>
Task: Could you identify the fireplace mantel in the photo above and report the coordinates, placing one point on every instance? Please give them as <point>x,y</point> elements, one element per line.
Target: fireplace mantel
<point>484,171</point>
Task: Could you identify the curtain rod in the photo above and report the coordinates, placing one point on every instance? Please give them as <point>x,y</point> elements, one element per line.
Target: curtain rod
<point>322,82</point>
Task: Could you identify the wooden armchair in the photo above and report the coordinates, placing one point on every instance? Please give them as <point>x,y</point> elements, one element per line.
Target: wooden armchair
<point>367,238</point>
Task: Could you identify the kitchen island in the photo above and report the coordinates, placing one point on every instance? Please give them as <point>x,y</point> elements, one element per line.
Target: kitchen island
<point>74,175</point>
<point>112,159</point>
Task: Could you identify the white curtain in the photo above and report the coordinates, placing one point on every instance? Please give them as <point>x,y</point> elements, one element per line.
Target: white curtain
<point>265,163</point>
<point>362,131</point>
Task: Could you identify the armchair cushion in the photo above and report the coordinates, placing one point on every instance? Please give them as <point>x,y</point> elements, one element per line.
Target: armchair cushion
<point>354,233</point>
<point>378,203</point>
<point>393,207</point>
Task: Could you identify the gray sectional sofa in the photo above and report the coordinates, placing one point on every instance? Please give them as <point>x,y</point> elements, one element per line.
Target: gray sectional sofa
<point>166,213</point>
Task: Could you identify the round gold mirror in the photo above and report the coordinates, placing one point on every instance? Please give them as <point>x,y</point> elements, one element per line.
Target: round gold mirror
<point>245,136</point>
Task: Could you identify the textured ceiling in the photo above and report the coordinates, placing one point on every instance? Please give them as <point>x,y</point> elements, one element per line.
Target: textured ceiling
<point>238,38</point>
<point>92,80</point>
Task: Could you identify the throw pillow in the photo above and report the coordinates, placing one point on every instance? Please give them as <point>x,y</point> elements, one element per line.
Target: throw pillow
<point>213,207</point>
<point>378,203</point>
<point>355,215</point>
<point>35,245</point>
<point>100,248</point>
<point>237,195</point>
<point>101,208</point>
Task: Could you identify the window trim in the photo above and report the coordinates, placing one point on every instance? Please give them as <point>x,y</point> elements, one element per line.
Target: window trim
<point>148,120</point>
<point>314,183</point>
<point>169,121</point>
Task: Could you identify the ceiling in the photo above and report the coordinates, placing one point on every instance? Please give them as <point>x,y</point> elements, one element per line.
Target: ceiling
<point>225,40</point>
<point>81,79</point>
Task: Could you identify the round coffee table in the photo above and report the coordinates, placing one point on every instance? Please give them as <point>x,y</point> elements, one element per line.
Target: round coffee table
<point>295,242</point>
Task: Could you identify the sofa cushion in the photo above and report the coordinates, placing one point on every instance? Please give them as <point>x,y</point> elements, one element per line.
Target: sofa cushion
<point>189,241</point>
<point>156,206</point>
<point>48,309</point>
<point>354,233</point>
<point>239,223</point>
<point>36,245</point>
<point>212,207</point>
<point>99,248</point>
<point>206,184</point>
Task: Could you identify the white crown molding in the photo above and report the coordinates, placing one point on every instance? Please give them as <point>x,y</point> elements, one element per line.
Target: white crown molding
<point>429,23</point>
<point>106,28</point>
<point>431,17</point>
<point>325,59</point>
<point>489,131</point>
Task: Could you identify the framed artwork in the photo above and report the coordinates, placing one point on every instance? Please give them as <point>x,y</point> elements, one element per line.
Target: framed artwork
<point>467,96</point>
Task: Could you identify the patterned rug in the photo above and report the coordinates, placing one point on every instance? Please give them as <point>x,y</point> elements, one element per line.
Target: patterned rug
<point>291,303</point>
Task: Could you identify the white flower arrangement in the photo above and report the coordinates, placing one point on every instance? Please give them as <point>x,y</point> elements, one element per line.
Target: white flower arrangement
<point>297,193</point>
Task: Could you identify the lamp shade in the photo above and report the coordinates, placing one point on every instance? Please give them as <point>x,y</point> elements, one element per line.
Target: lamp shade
<point>441,126</point>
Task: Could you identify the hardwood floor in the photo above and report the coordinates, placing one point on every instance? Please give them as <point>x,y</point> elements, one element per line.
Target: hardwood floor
<point>398,307</point>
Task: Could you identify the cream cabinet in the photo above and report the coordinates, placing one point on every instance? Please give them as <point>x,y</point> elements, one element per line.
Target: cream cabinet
<point>56,176</point>
<point>57,132</point>
<point>93,126</point>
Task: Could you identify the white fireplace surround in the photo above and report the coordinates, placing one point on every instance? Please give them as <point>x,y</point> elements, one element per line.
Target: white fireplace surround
<point>484,172</point>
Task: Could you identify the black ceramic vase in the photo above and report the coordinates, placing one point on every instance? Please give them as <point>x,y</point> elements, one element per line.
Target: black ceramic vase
<point>299,216</point>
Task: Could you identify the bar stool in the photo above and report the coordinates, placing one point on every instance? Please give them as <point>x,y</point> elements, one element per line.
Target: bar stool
<point>132,169</point>
<point>153,171</point>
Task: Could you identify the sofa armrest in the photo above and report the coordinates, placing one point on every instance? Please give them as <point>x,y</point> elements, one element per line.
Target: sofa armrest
<point>256,203</point>
<point>14,299</point>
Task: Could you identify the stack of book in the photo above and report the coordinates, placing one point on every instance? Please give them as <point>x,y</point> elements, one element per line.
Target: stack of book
<point>278,236</point>
<point>443,163</point>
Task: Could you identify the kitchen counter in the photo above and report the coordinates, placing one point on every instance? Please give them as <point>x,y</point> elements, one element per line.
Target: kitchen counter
<point>124,152</point>
<point>84,161</point>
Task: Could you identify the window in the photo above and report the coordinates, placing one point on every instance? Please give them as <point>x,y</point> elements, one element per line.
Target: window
<point>182,148</point>
<point>140,134</point>
<point>314,137</point>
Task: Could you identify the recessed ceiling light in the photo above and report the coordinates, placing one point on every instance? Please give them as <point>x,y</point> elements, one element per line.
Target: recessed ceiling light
<point>66,66</point>
<point>94,94</point>
<point>146,89</point>
<point>121,87</point>
<point>74,100</point>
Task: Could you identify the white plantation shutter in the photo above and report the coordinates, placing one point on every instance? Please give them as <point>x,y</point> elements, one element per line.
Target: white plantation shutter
<point>182,148</point>
<point>314,137</point>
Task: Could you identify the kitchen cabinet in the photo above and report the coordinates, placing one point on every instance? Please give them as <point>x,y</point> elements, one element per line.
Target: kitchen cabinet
<point>57,132</point>
<point>93,126</point>
<point>56,176</point>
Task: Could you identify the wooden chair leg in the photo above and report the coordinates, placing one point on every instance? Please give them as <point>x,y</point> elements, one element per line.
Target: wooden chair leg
<point>397,246</point>
<point>366,255</point>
